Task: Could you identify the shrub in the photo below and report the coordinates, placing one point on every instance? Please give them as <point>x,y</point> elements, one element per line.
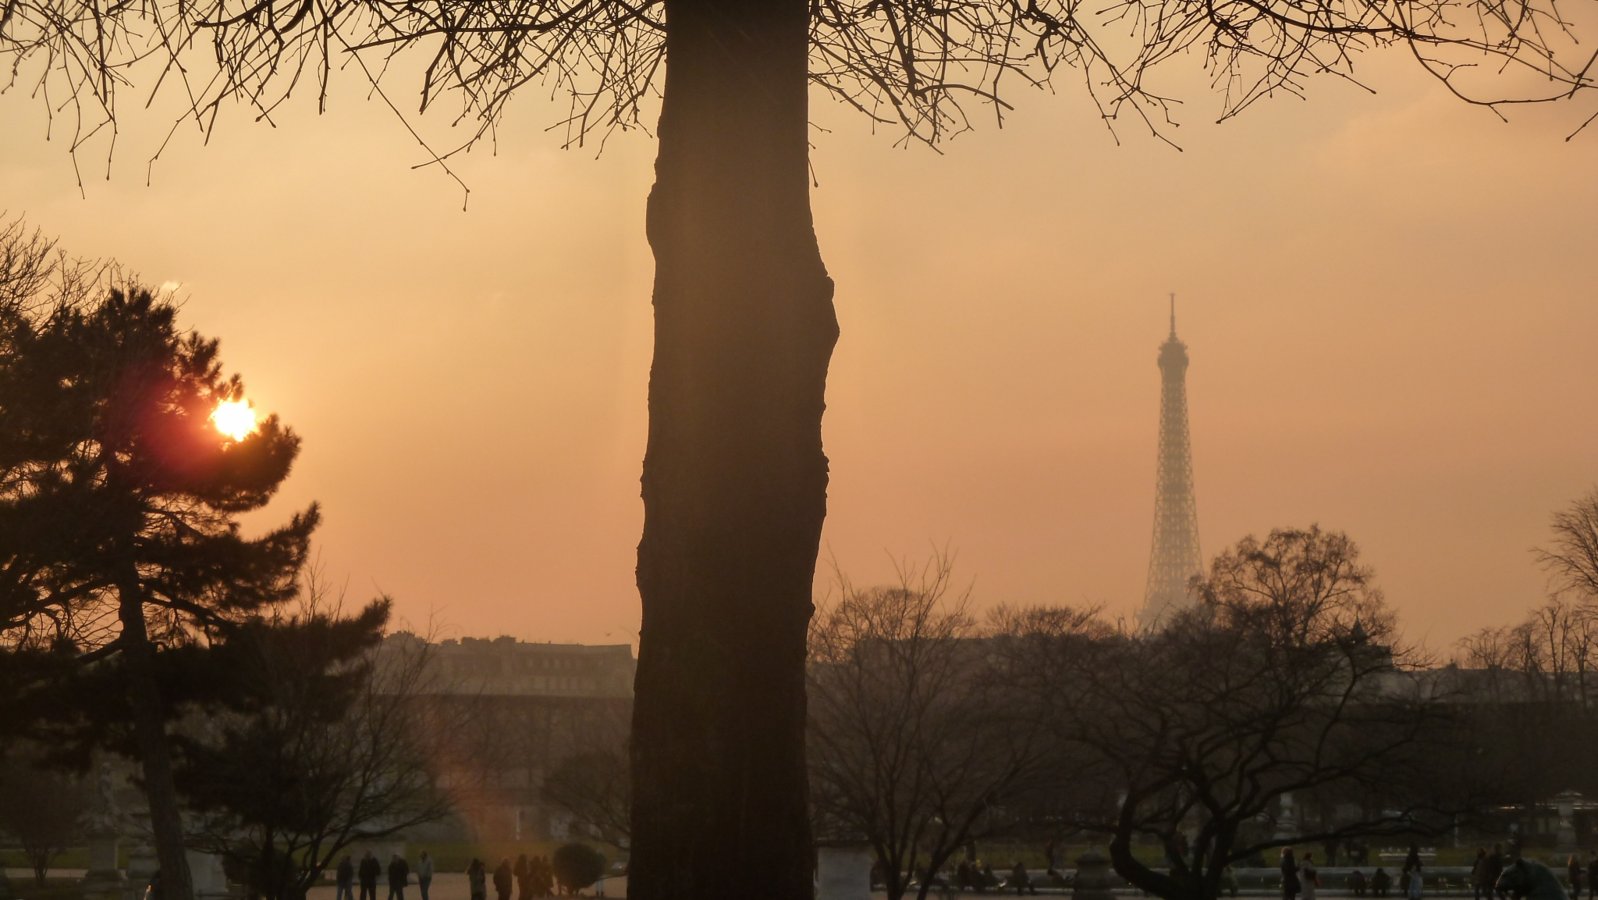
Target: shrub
<point>577,866</point>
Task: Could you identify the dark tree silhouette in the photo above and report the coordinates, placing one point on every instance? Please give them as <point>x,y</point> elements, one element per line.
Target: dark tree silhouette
<point>1572,557</point>
<point>1538,673</point>
<point>323,736</point>
<point>915,735</point>
<point>41,809</point>
<point>34,278</point>
<point>577,866</point>
<point>734,482</point>
<point>134,546</point>
<point>1287,680</point>
<point>595,789</point>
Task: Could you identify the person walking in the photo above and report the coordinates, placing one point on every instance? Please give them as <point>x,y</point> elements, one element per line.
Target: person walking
<point>1592,874</point>
<point>424,874</point>
<point>1380,882</point>
<point>1495,868</point>
<point>544,883</point>
<point>345,879</point>
<point>1290,883</point>
<point>477,879</point>
<point>1308,878</point>
<point>1019,878</point>
<point>399,875</point>
<point>524,873</point>
<point>1414,879</point>
<point>1480,889</point>
<point>1573,871</point>
<point>502,879</point>
<point>369,872</point>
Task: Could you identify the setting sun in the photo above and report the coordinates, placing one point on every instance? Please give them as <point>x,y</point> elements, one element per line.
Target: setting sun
<point>234,418</point>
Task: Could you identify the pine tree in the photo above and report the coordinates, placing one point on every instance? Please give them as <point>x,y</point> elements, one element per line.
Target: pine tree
<point>119,505</point>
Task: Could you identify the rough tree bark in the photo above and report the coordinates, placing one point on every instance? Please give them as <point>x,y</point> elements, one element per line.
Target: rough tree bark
<point>735,480</point>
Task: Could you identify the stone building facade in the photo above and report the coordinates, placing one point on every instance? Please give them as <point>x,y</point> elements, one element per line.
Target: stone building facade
<point>526,708</point>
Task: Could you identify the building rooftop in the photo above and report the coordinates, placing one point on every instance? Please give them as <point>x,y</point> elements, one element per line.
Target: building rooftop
<point>505,666</point>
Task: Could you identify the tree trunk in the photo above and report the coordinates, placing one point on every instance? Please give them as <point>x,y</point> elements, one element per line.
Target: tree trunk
<point>734,481</point>
<point>1139,875</point>
<point>149,730</point>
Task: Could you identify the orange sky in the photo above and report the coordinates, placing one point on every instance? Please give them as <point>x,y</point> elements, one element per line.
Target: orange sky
<point>1389,302</point>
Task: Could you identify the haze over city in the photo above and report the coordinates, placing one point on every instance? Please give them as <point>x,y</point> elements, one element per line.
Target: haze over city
<point>1387,300</point>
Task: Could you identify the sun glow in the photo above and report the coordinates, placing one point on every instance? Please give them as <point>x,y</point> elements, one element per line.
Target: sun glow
<point>234,418</point>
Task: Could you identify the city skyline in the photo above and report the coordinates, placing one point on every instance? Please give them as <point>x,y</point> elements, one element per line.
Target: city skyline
<point>1393,321</point>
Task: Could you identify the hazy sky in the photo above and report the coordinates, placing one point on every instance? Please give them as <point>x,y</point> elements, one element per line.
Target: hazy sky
<point>1391,304</point>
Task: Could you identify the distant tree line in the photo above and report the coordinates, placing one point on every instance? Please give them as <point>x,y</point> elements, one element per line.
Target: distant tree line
<point>931,730</point>
<point>1534,683</point>
<point>1284,708</point>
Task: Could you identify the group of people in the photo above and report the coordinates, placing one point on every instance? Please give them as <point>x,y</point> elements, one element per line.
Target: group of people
<point>1581,876</point>
<point>1380,884</point>
<point>529,878</point>
<point>972,874</point>
<point>1301,880</point>
<point>1484,872</point>
<point>370,870</point>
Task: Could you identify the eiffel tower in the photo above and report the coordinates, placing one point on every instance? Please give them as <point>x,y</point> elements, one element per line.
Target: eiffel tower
<point>1175,557</point>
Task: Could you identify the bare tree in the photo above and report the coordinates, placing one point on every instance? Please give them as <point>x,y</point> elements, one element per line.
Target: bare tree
<point>586,775</point>
<point>1286,681</point>
<point>1548,657</point>
<point>1564,635</point>
<point>331,742</point>
<point>1572,558</point>
<point>1538,673</point>
<point>40,807</point>
<point>734,482</point>
<point>594,789</point>
<point>914,740</point>
<point>1492,656</point>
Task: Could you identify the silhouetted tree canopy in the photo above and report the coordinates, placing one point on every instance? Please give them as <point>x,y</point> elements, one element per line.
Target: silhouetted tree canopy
<point>113,477</point>
<point>1287,679</point>
<point>40,809</point>
<point>577,866</point>
<point>316,739</point>
<point>916,736</point>
<point>924,68</point>
<point>1572,556</point>
<point>593,787</point>
<point>1540,673</point>
<point>119,539</point>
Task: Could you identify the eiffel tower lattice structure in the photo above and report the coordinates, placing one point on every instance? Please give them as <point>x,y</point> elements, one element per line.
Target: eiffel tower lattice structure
<point>1174,558</point>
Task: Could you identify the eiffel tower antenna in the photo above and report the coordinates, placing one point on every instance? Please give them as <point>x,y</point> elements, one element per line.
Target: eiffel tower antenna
<point>1174,557</point>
